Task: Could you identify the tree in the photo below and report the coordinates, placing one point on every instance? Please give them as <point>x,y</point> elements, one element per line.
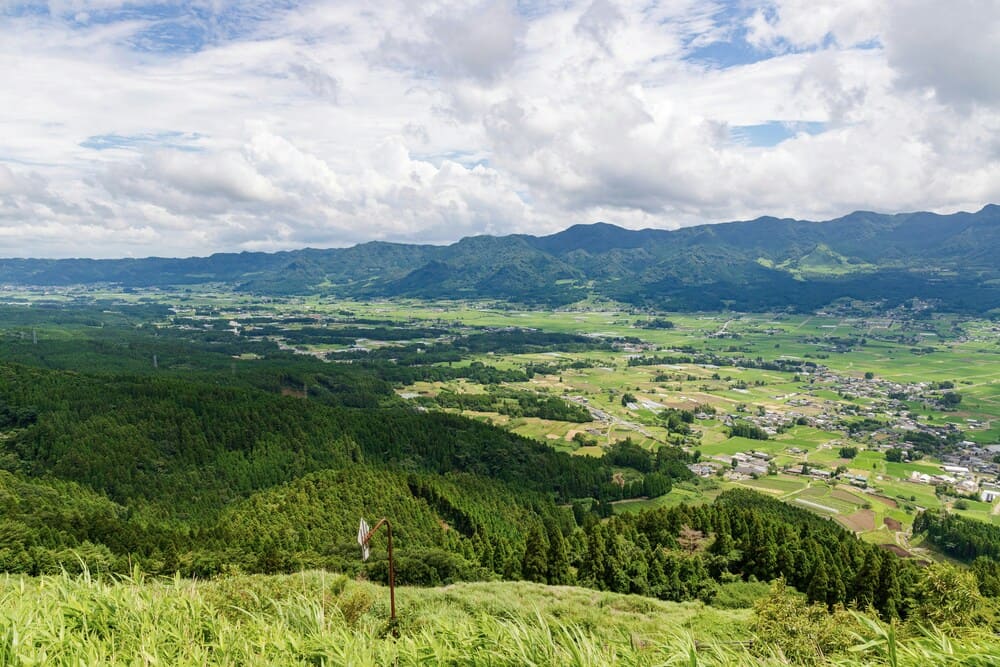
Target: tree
<point>819,584</point>
<point>890,595</point>
<point>558,560</point>
<point>866,582</point>
<point>951,399</point>
<point>848,452</point>
<point>987,573</point>
<point>595,561</point>
<point>534,565</point>
<point>745,429</point>
<point>690,539</point>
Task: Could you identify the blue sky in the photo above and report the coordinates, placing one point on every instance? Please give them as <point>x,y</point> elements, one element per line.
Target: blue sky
<point>192,127</point>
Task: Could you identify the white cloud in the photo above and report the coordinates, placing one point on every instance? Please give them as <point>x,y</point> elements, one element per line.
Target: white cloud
<point>950,48</point>
<point>334,123</point>
<point>810,23</point>
<point>478,41</point>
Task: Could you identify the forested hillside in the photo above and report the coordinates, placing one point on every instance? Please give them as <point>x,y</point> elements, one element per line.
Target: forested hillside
<point>760,264</point>
<point>127,443</point>
<point>179,475</point>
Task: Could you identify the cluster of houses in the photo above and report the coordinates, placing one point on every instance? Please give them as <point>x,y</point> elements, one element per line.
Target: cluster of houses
<point>771,422</point>
<point>977,458</point>
<point>874,387</point>
<point>859,481</point>
<point>962,480</point>
<point>747,465</point>
<point>742,465</point>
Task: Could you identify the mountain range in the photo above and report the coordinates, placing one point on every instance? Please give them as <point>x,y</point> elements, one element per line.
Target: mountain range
<point>759,264</point>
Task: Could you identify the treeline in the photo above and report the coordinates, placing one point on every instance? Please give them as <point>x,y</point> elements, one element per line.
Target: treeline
<point>683,552</point>
<point>965,539</point>
<point>342,335</point>
<point>512,402</point>
<point>656,323</point>
<point>669,460</point>
<point>710,359</point>
<point>507,341</point>
<point>741,428</point>
<point>476,371</point>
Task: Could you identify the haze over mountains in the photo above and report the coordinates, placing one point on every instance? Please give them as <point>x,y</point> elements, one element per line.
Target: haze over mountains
<point>760,264</point>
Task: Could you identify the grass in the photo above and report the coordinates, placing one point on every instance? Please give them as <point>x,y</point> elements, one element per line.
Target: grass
<point>319,618</point>
<point>316,618</point>
<point>675,497</point>
<point>779,483</point>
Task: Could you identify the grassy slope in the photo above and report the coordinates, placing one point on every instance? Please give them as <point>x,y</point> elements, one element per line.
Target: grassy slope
<point>319,619</point>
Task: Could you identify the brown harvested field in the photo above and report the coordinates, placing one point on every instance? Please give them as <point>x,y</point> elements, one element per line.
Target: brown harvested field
<point>859,522</point>
<point>846,496</point>
<point>899,551</point>
<point>886,501</point>
<point>573,432</point>
<point>892,524</point>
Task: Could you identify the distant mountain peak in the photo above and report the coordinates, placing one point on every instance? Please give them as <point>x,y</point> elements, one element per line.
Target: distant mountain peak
<point>767,263</point>
<point>592,238</point>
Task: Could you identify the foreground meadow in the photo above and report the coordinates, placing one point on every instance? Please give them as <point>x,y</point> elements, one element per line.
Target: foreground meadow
<point>318,618</point>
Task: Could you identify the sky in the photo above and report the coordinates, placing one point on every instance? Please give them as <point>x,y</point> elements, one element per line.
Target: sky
<point>200,126</point>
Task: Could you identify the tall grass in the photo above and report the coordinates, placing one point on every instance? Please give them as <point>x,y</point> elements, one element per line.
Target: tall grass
<point>323,619</point>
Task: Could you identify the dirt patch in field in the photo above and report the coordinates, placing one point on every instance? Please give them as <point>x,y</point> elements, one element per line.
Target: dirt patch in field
<point>892,524</point>
<point>859,522</point>
<point>886,501</point>
<point>846,496</point>
<point>898,550</point>
<point>551,436</point>
<point>573,432</point>
<point>677,405</point>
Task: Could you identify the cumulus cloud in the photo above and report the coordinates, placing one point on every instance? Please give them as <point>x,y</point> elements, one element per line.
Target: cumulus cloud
<point>280,125</point>
<point>478,41</point>
<point>782,24</point>
<point>950,48</point>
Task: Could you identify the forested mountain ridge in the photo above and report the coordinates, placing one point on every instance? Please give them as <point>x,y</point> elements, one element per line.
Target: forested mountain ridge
<point>759,264</point>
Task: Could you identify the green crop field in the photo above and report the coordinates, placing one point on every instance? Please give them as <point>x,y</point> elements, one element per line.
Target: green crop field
<point>780,483</point>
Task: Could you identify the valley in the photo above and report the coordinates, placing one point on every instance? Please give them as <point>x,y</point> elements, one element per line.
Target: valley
<point>869,381</point>
<point>680,456</point>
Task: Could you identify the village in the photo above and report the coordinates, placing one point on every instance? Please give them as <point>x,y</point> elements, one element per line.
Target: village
<point>885,424</point>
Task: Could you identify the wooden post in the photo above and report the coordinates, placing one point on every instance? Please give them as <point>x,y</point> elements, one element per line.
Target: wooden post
<point>392,570</point>
<point>392,578</point>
